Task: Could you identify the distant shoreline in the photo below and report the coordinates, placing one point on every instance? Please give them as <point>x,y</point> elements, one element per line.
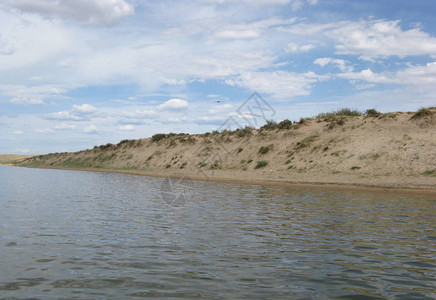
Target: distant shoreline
<point>336,186</point>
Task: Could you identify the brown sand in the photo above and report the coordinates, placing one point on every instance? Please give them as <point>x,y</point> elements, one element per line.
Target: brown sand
<point>388,152</point>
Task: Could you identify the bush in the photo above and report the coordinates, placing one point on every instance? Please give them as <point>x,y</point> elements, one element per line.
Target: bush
<point>246,131</point>
<point>306,142</point>
<point>422,113</point>
<point>261,164</point>
<point>285,124</point>
<point>372,112</point>
<point>340,112</point>
<point>103,147</point>
<point>270,125</point>
<point>265,149</point>
<point>158,136</point>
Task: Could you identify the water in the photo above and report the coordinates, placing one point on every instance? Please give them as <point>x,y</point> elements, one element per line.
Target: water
<point>73,234</point>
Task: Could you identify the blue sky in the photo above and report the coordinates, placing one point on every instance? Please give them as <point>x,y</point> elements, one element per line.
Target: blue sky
<point>74,74</point>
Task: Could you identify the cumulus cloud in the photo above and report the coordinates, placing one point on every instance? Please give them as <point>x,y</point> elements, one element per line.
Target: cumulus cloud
<point>174,105</point>
<point>18,132</point>
<point>138,117</point>
<point>46,131</point>
<point>418,75</point>
<point>372,39</point>
<point>295,48</point>
<point>84,109</point>
<point>82,112</point>
<point>33,95</point>
<point>369,39</point>
<point>64,126</point>
<point>343,65</point>
<point>127,128</point>
<point>96,12</point>
<point>238,34</point>
<point>295,4</point>
<point>281,85</point>
<point>90,129</point>
<point>366,75</point>
<point>422,78</point>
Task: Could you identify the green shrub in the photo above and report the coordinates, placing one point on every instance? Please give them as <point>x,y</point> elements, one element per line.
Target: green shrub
<point>265,149</point>
<point>340,112</point>
<point>422,113</point>
<point>355,168</point>
<point>285,124</point>
<point>306,142</point>
<point>372,112</point>
<point>270,125</point>
<point>158,136</point>
<point>246,131</point>
<point>429,173</point>
<point>215,166</point>
<point>261,164</point>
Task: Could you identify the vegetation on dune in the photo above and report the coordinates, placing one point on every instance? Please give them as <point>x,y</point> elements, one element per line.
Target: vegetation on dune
<point>422,113</point>
<point>339,113</point>
<point>372,112</point>
<point>261,164</point>
<point>155,153</point>
<point>265,149</point>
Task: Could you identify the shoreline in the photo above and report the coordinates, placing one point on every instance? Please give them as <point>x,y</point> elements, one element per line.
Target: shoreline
<point>336,186</point>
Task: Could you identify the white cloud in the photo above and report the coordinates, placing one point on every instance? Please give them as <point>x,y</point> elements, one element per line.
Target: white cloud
<point>219,109</point>
<point>281,85</point>
<point>82,112</point>
<point>84,109</point>
<point>65,116</point>
<point>90,129</point>
<point>418,75</point>
<point>34,95</point>
<point>295,48</point>
<point>96,12</point>
<point>295,4</point>
<point>64,126</point>
<point>127,128</point>
<point>422,78</point>
<point>174,105</point>
<point>18,132</point>
<point>343,65</point>
<point>366,75</point>
<point>138,117</point>
<point>369,38</point>
<point>379,38</point>
<point>46,131</point>
<point>140,114</point>
<point>238,34</point>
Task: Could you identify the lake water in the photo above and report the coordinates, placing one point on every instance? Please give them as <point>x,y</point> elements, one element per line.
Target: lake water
<point>86,235</point>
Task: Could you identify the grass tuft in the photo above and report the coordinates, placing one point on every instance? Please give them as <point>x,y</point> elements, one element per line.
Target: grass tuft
<point>422,113</point>
<point>261,164</point>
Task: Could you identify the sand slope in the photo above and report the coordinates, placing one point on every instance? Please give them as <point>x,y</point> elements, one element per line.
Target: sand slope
<point>11,158</point>
<point>388,150</point>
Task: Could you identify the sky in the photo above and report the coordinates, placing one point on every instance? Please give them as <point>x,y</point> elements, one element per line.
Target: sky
<point>75,74</point>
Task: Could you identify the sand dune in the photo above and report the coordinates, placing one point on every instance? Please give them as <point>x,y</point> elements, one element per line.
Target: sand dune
<point>395,150</point>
